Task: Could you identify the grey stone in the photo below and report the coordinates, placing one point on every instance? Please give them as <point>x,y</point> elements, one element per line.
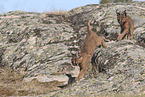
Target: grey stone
<point>42,44</point>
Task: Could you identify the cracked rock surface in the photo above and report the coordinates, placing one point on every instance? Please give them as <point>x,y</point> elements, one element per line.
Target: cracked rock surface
<point>40,46</point>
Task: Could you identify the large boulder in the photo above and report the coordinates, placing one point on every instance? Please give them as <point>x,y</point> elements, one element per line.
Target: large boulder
<point>34,46</point>
<point>126,62</point>
<point>40,45</point>
<point>123,61</point>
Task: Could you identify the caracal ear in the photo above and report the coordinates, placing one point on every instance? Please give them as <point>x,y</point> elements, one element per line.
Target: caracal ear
<point>125,13</point>
<point>118,13</point>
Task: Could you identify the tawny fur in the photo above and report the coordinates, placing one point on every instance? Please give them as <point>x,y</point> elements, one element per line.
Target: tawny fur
<point>126,24</point>
<point>91,41</point>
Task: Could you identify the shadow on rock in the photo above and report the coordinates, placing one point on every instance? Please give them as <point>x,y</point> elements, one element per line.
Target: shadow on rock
<point>70,81</point>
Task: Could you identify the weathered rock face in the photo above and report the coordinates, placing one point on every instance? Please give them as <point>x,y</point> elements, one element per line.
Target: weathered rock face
<point>40,44</point>
<point>126,63</point>
<point>33,45</point>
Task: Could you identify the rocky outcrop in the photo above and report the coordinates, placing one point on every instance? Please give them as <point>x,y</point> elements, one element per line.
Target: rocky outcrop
<point>126,62</point>
<point>41,44</point>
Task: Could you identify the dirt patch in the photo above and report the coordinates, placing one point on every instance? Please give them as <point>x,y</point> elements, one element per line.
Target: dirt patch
<point>12,84</point>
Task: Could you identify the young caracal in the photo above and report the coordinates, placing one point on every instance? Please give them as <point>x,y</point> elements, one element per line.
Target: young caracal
<point>91,41</point>
<point>126,24</point>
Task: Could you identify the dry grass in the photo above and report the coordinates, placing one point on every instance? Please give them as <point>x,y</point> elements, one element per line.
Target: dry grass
<point>56,12</point>
<point>12,84</point>
<point>57,16</point>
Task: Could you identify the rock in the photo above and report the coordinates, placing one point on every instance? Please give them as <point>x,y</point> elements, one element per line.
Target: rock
<point>31,44</point>
<point>40,45</point>
<point>122,76</point>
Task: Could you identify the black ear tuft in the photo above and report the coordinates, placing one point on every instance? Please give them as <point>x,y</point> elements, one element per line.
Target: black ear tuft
<point>118,13</point>
<point>125,13</point>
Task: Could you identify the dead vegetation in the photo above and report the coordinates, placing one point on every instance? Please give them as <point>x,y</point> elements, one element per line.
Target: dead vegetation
<point>12,84</point>
<point>54,17</point>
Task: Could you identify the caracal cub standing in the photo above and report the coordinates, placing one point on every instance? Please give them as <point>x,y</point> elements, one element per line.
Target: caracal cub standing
<point>126,24</point>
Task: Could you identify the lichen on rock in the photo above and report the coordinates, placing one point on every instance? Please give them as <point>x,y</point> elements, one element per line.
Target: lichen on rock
<point>40,45</point>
